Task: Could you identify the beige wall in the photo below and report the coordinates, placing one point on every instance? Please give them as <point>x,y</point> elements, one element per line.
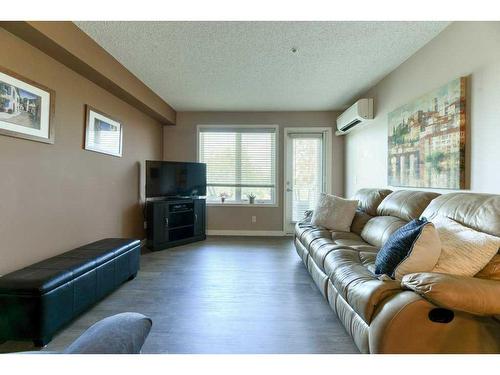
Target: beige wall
<point>56,197</point>
<point>180,145</point>
<point>463,49</point>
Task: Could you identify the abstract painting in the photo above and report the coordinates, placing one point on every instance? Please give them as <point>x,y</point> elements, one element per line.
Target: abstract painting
<point>427,140</point>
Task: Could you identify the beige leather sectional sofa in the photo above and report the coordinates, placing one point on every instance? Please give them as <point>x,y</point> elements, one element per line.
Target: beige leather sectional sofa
<point>442,314</point>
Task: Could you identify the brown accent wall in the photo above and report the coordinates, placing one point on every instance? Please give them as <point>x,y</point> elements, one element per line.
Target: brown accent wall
<point>56,197</point>
<point>179,144</point>
<point>66,43</point>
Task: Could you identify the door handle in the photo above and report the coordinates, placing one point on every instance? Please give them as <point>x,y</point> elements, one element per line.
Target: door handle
<point>195,218</point>
<point>288,189</point>
<point>166,221</point>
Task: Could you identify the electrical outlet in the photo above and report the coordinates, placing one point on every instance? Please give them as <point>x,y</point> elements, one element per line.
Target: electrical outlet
<point>254,219</point>
<point>145,225</point>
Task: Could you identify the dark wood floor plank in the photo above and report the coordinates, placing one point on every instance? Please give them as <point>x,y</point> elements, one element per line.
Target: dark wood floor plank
<point>223,295</point>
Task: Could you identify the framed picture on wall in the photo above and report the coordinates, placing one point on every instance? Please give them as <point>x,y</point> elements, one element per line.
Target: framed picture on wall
<point>102,133</point>
<point>427,138</point>
<point>26,108</point>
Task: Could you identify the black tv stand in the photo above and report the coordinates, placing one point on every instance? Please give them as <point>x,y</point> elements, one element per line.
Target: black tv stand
<point>174,221</point>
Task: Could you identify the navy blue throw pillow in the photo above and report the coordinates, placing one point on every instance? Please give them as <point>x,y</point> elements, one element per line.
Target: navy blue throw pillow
<point>398,247</point>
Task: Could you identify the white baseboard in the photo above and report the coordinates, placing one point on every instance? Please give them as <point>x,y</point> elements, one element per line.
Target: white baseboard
<point>272,233</point>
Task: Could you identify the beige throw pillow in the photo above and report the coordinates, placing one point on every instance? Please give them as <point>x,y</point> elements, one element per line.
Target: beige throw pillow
<point>334,213</point>
<point>464,251</point>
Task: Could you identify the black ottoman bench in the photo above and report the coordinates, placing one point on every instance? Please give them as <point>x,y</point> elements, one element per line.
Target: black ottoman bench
<point>38,300</point>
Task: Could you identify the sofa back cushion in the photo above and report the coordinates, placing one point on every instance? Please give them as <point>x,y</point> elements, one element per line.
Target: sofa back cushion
<point>378,229</point>
<point>370,199</point>
<point>480,212</point>
<point>406,204</point>
<point>359,221</point>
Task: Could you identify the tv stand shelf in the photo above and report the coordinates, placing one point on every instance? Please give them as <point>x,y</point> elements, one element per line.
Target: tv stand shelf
<point>175,221</point>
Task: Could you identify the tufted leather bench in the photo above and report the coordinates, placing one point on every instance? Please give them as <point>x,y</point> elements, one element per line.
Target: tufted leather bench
<point>38,300</point>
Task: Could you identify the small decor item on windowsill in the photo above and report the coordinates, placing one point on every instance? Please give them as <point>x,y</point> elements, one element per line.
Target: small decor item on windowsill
<point>251,198</point>
<point>223,196</point>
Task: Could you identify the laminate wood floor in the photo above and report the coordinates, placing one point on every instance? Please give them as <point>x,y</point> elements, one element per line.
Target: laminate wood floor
<point>223,295</point>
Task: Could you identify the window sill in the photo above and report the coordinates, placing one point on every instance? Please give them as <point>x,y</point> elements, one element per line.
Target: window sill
<point>234,204</point>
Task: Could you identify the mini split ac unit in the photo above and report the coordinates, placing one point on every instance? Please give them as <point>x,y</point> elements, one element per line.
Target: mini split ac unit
<point>357,113</point>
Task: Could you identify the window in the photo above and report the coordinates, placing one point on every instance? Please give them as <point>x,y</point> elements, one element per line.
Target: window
<point>240,161</point>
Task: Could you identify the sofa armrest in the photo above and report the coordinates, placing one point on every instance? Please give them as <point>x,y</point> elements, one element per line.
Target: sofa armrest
<point>307,216</point>
<point>462,293</point>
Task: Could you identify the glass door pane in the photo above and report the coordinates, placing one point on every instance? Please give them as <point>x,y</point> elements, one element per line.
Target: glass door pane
<point>307,172</point>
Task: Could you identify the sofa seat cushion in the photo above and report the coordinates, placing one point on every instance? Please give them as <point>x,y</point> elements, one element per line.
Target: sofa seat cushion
<point>337,235</point>
<point>320,249</point>
<point>309,237</point>
<point>301,228</point>
<point>352,240</point>
<point>349,272</point>
<point>368,259</point>
<point>366,248</point>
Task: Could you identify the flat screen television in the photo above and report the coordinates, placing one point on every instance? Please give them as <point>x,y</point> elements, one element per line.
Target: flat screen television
<point>175,179</point>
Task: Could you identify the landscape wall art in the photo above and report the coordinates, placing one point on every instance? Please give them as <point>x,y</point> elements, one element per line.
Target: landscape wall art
<point>26,108</point>
<point>427,140</point>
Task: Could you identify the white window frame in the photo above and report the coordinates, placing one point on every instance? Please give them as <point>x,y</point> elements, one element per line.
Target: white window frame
<point>244,203</point>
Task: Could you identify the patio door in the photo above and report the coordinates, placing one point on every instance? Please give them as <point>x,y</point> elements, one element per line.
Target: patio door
<point>307,171</point>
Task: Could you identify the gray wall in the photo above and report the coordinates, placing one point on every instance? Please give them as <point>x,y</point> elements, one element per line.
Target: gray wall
<point>180,144</point>
<point>462,49</point>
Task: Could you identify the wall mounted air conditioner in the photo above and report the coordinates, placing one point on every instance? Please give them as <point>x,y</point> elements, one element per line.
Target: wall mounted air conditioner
<point>353,116</point>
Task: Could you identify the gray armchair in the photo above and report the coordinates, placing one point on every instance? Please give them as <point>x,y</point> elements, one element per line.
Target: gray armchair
<point>123,333</point>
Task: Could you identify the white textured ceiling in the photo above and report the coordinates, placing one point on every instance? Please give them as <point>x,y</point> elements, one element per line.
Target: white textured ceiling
<point>249,66</point>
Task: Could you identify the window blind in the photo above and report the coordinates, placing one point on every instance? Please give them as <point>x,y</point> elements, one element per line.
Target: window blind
<point>242,160</point>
